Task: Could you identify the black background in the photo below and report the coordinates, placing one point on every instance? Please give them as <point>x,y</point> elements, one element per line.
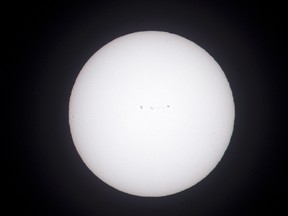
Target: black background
<point>47,43</point>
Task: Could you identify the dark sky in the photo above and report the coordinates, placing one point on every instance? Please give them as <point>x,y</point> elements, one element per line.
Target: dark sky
<point>45,46</point>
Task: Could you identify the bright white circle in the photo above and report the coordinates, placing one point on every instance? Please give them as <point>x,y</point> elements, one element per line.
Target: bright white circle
<point>151,113</point>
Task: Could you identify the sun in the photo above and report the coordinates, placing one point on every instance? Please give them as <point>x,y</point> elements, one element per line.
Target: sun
<point>151,113</point>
